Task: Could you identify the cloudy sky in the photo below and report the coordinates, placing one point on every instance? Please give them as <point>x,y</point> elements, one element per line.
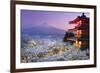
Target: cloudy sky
<point>60,20</point>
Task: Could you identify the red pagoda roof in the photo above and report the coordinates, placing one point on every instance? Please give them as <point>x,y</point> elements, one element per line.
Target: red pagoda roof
<point>74,21</point>
<point>79,18</point>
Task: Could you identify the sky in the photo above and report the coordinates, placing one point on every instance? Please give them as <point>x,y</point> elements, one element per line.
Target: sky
<point>60,20</point>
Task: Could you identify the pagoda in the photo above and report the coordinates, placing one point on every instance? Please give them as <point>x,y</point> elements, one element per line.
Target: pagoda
<point>79,35</point>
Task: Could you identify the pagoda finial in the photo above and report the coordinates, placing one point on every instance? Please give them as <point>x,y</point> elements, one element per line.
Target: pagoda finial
<point>83,15</point>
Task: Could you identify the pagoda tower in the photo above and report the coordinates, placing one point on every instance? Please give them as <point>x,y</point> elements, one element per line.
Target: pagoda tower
<point>80,31</point>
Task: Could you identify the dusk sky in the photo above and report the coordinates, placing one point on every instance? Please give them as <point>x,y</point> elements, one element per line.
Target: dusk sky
<point>32,18</point>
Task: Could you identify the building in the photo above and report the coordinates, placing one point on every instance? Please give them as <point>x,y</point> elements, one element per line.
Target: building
<point>81,32</point>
